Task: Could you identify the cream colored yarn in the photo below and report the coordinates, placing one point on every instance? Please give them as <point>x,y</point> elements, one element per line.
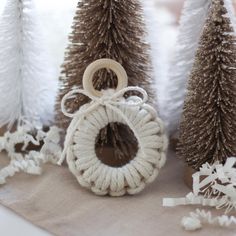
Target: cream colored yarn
<point>107,107</point>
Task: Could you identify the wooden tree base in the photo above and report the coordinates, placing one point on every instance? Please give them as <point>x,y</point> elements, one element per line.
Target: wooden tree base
<point>188,173</point>
<point>173,143</point>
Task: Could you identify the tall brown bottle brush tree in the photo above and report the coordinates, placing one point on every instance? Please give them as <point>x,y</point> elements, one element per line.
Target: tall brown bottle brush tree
<point>106,29</point>
<point>208,128</point>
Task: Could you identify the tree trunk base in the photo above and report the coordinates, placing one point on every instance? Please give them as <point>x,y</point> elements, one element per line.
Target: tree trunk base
<point>173,143</point>
<point>188,173</point>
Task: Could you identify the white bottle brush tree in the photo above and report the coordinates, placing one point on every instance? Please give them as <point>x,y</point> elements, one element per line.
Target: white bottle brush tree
<point>28,89</point>
<point>27,81</point>
<point>191,26</point>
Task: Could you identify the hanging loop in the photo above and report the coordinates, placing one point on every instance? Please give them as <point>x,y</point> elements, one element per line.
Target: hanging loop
<point>100,64</point>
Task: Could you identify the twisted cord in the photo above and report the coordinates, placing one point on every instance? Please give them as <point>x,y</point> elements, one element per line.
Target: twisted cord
<point>107,100</point>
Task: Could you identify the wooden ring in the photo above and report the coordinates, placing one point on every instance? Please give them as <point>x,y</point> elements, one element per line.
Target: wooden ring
<point>116,67</point>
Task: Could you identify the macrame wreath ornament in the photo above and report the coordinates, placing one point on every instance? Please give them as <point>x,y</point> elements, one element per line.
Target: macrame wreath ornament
<point>110,106</point>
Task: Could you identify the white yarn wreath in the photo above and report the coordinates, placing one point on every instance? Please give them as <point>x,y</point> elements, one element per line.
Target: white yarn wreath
<point>106,107</point>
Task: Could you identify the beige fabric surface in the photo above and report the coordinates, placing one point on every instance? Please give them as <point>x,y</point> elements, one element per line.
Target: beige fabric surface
<point>55,202</point>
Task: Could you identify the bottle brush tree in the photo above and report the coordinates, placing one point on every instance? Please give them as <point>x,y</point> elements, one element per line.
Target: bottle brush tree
<point>208,127</point>
<point>106,29</point>
<point>191,27</point>
<point>27,82</point>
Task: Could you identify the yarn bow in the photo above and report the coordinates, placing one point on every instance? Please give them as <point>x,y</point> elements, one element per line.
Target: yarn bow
<point>110,99</point>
